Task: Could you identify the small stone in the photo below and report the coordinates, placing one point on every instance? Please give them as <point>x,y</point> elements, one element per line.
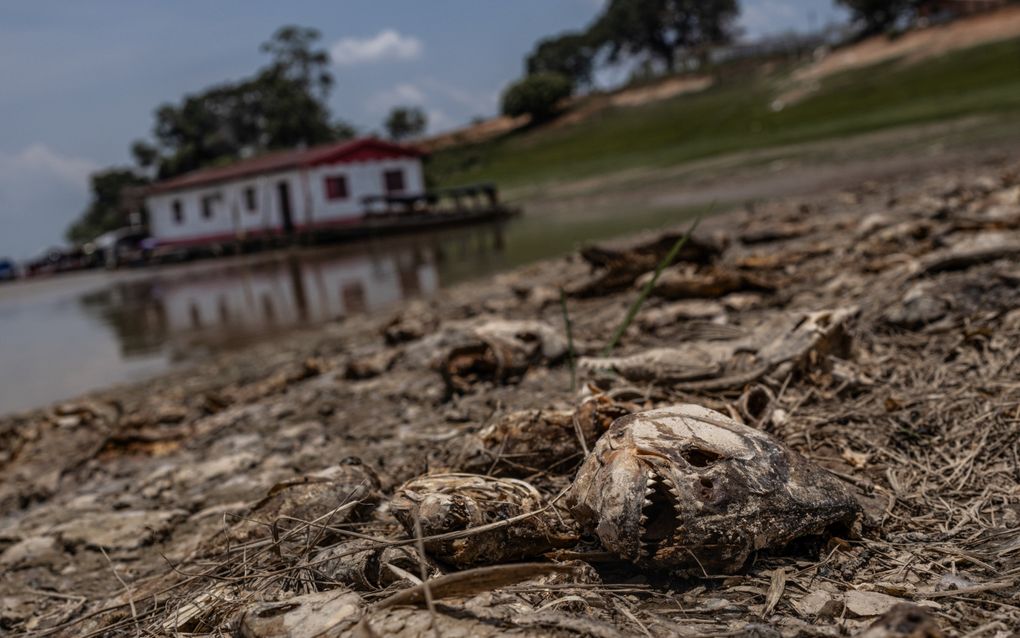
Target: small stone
<point>127,529</point>
<point>70,421</point>
<point>16,609</point>
<point>870,603</point>
<point>328,613</point>
<point>31,552</point>
<point>814,604</point>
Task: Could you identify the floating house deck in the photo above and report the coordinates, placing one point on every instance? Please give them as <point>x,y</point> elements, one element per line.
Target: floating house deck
<point>334,192</point>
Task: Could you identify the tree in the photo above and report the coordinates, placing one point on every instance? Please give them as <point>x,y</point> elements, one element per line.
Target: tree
<point>405,121</point>
<point>877,16</point>
<point>537,95</point>
<point>569,54</point>
<point>344,130</point>
<point>108,210</point>
<point>663,29</point>
<point>146,155</point>
<point>283,105</point>
<point>291,48</point>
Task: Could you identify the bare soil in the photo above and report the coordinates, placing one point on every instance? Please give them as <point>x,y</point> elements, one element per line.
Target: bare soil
<point>908,48</point>
<point>919,44</point>
<point>192,504</point>
<point>578,109</point>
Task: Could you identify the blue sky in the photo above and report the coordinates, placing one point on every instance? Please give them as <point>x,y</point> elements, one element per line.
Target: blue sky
<point>80,79</point>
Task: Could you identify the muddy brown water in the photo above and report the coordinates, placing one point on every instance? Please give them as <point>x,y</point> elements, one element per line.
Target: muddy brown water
<point>65,335</point>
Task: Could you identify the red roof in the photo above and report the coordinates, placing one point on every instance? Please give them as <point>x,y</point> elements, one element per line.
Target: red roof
<point>366,148</point>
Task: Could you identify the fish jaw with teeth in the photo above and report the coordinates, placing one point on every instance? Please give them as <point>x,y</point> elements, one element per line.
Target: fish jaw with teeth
<point>689,490</point>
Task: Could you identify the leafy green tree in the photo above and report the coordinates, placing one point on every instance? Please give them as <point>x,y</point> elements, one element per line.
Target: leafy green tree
<point>405,121</point>
<point>295,57</point>
<point>569,54</point>
<point>538,95</point>
<point>282,105</point>
<point>146,155</point>
<point>108,209</point>
<point>663,29</point>
<point>287,114</point>
<point>877,16</point>
<point>344,130</point>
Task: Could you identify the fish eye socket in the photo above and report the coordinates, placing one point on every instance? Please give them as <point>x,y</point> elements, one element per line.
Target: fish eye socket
<point>700,458</point>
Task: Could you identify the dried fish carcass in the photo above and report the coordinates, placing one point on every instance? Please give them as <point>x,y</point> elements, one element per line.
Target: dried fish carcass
<point>342,493</point>
<point>501,519</point>
<point>526,442</point>
<point>689,490</point>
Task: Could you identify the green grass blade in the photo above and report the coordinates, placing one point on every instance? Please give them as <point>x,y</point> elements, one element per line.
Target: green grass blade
<point>636,306</point>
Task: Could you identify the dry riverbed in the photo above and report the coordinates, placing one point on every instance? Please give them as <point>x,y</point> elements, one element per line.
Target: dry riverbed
<point>810,429</point>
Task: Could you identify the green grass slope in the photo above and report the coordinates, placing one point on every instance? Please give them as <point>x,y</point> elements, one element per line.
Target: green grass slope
<point>737,115</point>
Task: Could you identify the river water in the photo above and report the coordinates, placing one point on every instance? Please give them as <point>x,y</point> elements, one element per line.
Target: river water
<point>64,335</point>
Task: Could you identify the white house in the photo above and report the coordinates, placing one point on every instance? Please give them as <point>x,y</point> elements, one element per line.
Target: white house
<point>280,192</point>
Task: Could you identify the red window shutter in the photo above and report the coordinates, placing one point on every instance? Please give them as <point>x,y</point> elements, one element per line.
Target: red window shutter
<point>336,187</point>
<point>393,181</point>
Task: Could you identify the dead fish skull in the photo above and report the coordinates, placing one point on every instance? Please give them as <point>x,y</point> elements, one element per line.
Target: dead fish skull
<point>688,489</point>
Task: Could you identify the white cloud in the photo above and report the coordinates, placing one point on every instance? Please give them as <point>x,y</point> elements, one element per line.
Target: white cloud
<point>388,44</point>
<point>432,99</point>
<point>41,191</point>
<point>40,158</point>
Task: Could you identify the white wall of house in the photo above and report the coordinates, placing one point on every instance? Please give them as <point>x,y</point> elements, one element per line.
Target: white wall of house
<point>363,179</point>
<point>231,216</point>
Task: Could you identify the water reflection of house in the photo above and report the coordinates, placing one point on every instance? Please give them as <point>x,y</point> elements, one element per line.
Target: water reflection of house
<point>292,292</point>
<point>214,304</point>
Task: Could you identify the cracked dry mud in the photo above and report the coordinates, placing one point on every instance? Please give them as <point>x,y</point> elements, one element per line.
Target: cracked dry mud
<point>835,383</point>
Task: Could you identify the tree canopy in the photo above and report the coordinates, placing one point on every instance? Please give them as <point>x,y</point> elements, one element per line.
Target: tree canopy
<point>107,211</point>
<point>663,29</point>
<point>877,16</point>
<point>569,54</point>
<point>283,105</point>
<point>405,121</point>
<point>537,95</point>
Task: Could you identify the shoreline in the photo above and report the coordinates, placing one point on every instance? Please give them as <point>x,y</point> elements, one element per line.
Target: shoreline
<point>923,271</point>
<point>808,171</point>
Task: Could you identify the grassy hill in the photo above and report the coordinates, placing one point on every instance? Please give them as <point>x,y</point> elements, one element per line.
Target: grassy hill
<point>741,114</point>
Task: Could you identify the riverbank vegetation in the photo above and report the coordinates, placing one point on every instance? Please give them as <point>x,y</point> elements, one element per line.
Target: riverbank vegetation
<point>745,112</point>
